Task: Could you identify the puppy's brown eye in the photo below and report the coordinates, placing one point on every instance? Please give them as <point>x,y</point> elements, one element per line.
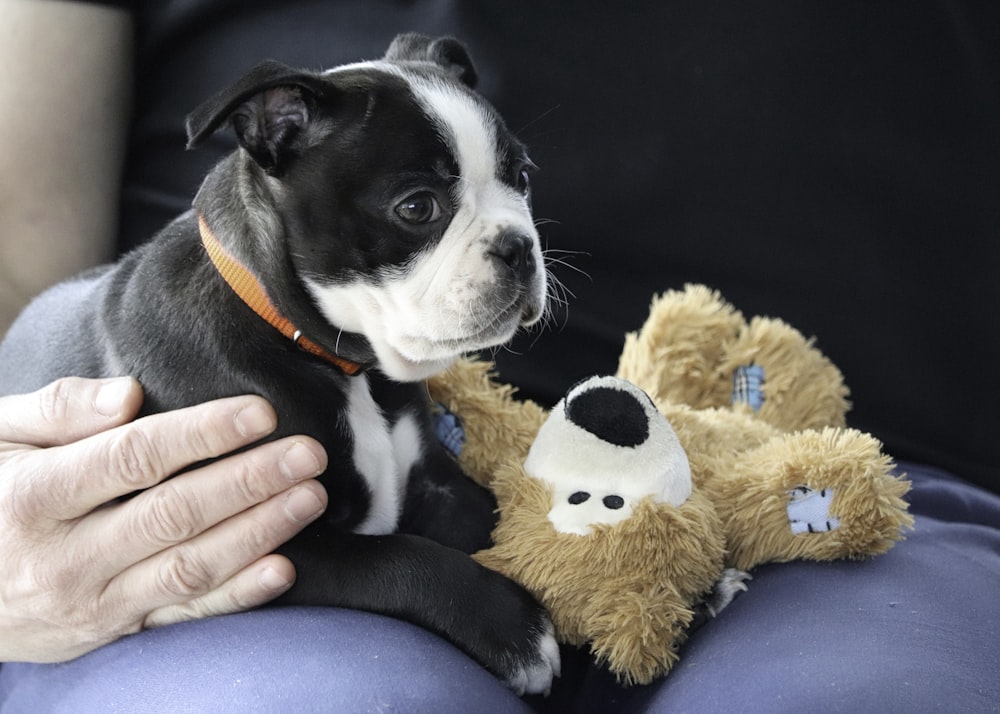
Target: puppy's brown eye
<point>523,183</point>
<point>422,207</point>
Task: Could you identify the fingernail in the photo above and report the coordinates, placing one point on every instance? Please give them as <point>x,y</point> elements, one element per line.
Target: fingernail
<point>255,420</point>
<point>303,505</point>
<point>271,579</point>
<point>111,396</point>
<point>298,462</point>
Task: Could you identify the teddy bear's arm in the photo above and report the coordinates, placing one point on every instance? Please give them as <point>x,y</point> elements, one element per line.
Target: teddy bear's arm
<point>498,429</point>
<point>819,495</point>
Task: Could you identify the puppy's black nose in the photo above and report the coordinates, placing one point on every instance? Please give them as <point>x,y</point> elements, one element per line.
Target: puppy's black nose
<point>515,251</point>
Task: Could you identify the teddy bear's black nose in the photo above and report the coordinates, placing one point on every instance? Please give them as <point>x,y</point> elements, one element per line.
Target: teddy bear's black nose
<point>612,415</point>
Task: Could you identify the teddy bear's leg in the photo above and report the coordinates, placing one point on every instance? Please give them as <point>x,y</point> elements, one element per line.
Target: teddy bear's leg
<point>792,385</point>
<point>697,349</point>
<point>820,495</point>
<point>676,354</point>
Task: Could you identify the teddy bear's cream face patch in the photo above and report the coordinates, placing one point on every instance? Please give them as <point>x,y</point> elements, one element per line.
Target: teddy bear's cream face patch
<point>577,508</point>
<point>595,481</point>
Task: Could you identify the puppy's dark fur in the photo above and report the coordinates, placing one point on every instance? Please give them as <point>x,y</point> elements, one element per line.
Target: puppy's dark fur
<point>353,191</point>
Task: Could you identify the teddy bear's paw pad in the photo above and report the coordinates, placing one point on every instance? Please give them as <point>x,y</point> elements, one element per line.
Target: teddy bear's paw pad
<point>535,677</point>
<point>448,429</point>
<point>731,583</point>
<point>809,510</point>
<point>748,386</point>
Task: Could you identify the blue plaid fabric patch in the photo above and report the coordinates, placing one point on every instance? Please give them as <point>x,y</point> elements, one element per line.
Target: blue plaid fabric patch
<point>448,429</point>
<point>748,386</point>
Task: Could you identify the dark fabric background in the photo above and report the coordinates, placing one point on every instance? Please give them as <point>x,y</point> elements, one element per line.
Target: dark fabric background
<point>832,164</point>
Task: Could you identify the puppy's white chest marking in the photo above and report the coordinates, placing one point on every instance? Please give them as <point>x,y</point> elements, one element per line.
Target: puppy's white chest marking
<point>383,455</point>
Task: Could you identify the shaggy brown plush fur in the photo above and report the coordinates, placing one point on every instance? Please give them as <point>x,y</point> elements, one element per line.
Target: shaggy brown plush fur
<point>628,590</point>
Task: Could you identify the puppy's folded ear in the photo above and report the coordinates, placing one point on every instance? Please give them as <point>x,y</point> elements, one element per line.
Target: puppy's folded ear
<point>445,51</point>
<point>268,107</point>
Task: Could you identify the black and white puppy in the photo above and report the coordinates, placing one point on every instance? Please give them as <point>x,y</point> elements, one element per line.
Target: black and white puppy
<point>373,225</point>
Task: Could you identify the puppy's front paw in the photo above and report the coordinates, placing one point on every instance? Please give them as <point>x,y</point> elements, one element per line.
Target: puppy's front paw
<point>534,674</point>
<point>504,628</point>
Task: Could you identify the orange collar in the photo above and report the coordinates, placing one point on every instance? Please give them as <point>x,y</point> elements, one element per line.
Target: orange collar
<point>249,289</point>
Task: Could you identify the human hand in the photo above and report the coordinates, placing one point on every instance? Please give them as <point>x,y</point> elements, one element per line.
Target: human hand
<point>80,570</point>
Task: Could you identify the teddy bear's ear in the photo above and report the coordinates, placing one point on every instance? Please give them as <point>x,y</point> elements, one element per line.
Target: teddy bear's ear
<point>603,449</point>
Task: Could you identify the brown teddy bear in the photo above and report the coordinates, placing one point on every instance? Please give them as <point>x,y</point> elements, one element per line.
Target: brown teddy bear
<point>718,446</point>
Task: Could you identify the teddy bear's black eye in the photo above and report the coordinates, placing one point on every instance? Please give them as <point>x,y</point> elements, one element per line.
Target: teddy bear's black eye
<point>579,497</point>
<point>613,502</point>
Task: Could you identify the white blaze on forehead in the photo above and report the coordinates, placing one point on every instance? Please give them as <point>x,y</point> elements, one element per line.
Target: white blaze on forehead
<point>467,128</point>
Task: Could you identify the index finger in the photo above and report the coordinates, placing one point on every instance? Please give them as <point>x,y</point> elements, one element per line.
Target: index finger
<point>67,482</point>
<point>67,410</point>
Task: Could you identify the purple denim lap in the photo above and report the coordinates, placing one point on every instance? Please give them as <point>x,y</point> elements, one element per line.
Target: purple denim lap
<point>913,630</point>
<point>270,660</point>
